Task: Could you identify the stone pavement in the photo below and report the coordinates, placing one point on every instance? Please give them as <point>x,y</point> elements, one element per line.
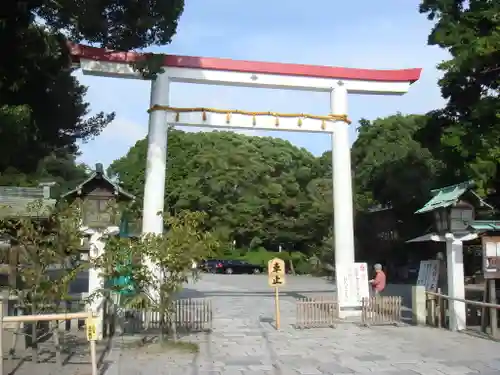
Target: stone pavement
<point>76,362</point>
<point>244,341</point>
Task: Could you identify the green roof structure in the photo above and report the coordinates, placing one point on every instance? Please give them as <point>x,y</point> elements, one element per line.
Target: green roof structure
<point>485,225</point>
<point>446,196</point>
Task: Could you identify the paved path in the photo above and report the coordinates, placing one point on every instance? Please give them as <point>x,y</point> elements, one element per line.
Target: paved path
<point>244,342</point>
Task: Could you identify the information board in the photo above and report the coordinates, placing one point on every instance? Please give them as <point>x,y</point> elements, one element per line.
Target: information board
<point>428,274</point>
<point>352,284</point>
<point>491,257</point>
<point>91,329</point>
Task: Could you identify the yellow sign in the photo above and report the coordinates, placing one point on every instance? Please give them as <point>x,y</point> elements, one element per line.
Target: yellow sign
<point>276,279</point>
<point>91,329</point>
<point>276,266</point>
<point>276,272</point>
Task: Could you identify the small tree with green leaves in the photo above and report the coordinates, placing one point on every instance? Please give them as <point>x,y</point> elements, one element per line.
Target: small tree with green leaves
<point>45,246</point>
<point>158,266</point>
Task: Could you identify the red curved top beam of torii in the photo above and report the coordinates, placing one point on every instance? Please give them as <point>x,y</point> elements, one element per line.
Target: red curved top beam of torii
<point>82,52</point>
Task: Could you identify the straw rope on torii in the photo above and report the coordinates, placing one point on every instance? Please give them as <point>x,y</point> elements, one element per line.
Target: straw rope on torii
<point>228,113</point>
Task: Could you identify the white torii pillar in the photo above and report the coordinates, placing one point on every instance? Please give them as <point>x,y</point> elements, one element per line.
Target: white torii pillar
<point>342,182</point>
<point>156,159</point>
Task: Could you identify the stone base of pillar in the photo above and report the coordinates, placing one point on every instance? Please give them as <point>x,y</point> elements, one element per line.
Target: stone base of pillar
<point>349,312</point>
<point>418,305</point>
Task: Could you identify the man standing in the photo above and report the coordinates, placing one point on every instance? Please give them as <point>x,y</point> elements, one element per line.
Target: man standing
<point>378,282</point>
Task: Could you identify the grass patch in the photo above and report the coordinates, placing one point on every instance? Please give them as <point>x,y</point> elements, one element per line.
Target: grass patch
<point>152,345</point>
<point>185,346</point>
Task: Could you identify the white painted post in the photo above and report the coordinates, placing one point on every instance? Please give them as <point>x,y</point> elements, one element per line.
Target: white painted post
<point>156,165</point>
<point>342,184</point>
<point>96,282</point>
<point>456,284</point>
<point>419,308</point>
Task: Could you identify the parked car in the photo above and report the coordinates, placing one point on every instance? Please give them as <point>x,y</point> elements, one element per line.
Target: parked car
<point>230,267</point>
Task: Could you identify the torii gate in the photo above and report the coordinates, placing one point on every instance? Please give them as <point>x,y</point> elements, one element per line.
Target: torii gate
<point>338,82</point>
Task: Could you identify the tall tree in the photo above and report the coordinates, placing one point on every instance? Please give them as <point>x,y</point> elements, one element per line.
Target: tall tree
<point>467,130</point>
<point>42,106</point>
<point>393,168</point>
<point>258,190</point>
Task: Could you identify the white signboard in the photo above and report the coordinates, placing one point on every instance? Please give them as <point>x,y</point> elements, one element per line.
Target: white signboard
<point>491,257</point>
<point>428,274</point>
<point>352,284</point>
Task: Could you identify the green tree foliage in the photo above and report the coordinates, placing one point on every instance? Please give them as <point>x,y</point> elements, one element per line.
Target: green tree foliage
<point>467,130</point>
<point>160,265</point>
<point>259,191</point>
<point>394,168</point>
<point>391,164</point>
<point>60,168</point>
<point>42,106</point>
<point>43,257</point>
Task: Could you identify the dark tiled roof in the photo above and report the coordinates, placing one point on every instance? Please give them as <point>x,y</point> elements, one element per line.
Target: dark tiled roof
<point>100,174</point>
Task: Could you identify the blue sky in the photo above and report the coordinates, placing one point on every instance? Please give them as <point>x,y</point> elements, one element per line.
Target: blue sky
<point>388,34</point>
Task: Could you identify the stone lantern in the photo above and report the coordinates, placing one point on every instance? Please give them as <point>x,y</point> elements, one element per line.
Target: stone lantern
<point>455,218</point>
<point>454,210</point>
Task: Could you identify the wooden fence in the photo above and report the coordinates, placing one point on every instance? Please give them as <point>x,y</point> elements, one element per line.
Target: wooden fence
<point>478,314</point>
<point>381,310</point>
<point>316,312</point>
<point>189,315</point>
<point>54,318</point>
<point>74,303</point>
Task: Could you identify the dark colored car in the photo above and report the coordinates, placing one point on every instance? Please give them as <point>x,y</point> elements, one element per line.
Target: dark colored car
<point>236,267</point>
<point>209,265</point>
